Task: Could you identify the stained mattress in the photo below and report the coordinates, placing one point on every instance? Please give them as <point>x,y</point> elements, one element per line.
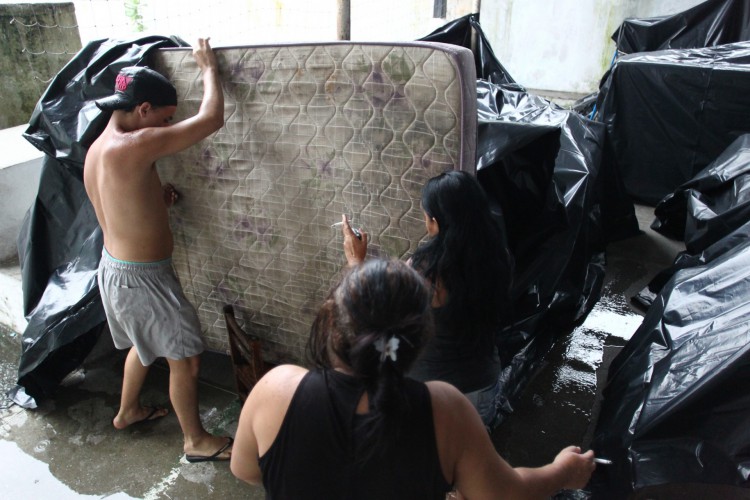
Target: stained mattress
<point>311,132</point>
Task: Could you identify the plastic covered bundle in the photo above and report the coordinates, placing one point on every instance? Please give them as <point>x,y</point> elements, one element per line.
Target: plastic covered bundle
<point>712,204</point>
<point>671,113</point>
<point>539,164</point>
<point>715,22</point>
<point>676,409</point>
<point>60,242</point>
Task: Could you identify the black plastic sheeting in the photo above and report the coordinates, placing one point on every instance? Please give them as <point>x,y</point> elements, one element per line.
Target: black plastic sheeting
<point>676,408</point>
<point>711,23</point>
<point>60,242</point>
<point>540,164</point>
<point>466,32</point>
<point>712,204</point>
<point>703,212</point>
<point>669,114</point>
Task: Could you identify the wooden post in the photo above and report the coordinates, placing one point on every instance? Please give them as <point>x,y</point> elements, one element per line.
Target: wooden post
<point>439,9</point>
<point>344,21</point>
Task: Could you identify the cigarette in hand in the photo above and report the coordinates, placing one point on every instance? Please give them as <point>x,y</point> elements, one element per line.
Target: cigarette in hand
<point>354,230</point>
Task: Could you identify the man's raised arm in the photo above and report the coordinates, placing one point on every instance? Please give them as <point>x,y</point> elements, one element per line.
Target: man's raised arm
<point>165,141</point>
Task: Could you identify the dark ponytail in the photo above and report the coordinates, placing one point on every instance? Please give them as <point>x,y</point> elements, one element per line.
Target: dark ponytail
<point>380,317</point>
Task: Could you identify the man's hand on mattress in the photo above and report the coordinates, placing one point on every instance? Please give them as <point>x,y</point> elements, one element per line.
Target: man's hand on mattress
<point>170,194</point>
<point>355,245</point>
<point>203,54</point>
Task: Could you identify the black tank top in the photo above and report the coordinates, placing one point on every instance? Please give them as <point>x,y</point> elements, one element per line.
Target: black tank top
<point>469,364</point>
<point>313,455</point>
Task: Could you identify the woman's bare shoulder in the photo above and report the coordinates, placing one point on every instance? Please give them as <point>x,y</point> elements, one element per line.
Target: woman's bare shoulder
<point>443,390</point>
<point>273,393</point>
<point>284,375</point>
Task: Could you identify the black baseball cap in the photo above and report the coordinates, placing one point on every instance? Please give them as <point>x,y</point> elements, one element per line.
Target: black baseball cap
<point>138,84</point>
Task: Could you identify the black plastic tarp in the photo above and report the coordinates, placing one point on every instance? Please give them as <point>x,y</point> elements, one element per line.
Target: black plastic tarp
<point>705,213</point>
<point>683,260</point>
<point>715,22</point>
<point>671,113</point>
<point>60,242</point>
<point>539,164</point>
<point>712,204</point>
<point>676,408</point>
<point>466,32</point>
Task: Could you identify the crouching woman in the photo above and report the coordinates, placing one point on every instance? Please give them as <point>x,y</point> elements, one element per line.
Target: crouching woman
<point>356,427</point>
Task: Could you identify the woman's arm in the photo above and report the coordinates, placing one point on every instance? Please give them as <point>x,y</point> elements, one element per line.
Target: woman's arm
<point>261,418</point>
<point>469,459</point>
<point>244,464</point>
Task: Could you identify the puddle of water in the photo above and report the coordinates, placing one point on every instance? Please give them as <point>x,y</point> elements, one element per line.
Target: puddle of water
<point>582,356</point>
<point>612,317</point>
<point>23,476</point>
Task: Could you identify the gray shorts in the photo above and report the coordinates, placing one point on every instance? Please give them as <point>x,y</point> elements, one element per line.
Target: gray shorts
<point>146,308</point>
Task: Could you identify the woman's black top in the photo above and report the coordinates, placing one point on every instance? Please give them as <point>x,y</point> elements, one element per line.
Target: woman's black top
<point>466,362</point>
<point>318,453</point>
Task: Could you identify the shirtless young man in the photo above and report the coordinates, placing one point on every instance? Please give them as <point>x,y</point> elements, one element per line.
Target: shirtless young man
<point>146,309</point>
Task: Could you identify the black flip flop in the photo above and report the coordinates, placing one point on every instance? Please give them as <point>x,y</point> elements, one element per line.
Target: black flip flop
<point>211,458</point>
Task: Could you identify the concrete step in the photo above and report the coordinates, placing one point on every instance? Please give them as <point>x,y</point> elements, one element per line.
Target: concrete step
<point>11,297</point>
<point>20,168</point>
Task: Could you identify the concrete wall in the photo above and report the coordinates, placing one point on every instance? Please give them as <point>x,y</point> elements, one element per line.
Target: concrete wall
<point>562,45</point>
<point>36,41</point>
<point>262,22</point>
<point>389,20</point>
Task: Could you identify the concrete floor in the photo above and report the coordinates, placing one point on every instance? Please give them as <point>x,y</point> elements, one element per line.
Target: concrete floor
<point>69,449</point>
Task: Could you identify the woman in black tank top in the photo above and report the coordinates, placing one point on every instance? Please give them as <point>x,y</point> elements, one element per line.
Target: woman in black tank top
<point>356,428</point>
<point>469,269</point>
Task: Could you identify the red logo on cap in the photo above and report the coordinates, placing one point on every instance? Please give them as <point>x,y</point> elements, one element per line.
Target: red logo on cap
<point>122,82</point>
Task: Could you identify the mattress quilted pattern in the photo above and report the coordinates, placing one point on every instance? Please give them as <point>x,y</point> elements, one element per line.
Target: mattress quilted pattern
<point>311,132</point>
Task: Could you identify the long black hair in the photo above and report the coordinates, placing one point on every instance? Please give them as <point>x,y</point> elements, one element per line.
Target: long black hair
<point>375,321</point>
<point>467,257</point>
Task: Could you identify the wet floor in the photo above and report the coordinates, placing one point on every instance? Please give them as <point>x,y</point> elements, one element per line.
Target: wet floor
<point>69,449</point>
<point>560,404</point>
<point>556,408</point>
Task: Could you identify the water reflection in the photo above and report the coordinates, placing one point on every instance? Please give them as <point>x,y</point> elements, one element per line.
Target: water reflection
<point>612,316</point>
<point>23,476</point>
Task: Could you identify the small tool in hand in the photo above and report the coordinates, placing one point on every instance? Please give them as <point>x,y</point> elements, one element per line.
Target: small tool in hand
<point>603,461</point>
<point>354,230</point>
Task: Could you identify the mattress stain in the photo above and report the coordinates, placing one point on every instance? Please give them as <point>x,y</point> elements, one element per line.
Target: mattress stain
<point>398,69</point>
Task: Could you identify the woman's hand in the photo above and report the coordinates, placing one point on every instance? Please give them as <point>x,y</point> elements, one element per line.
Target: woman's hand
<point>578,466</point>
<point>355,248</point>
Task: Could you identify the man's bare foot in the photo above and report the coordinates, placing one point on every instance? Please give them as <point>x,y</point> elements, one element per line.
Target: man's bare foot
<point>144,414</point>
<point>171,195</point>
<point>210,449</point>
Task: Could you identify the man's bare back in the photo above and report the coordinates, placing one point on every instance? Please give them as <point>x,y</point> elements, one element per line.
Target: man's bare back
<point>120,174</point>
<point>128,198</point>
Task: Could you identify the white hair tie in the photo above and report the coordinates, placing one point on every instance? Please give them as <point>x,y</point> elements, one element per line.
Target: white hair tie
<point>387,349</point>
